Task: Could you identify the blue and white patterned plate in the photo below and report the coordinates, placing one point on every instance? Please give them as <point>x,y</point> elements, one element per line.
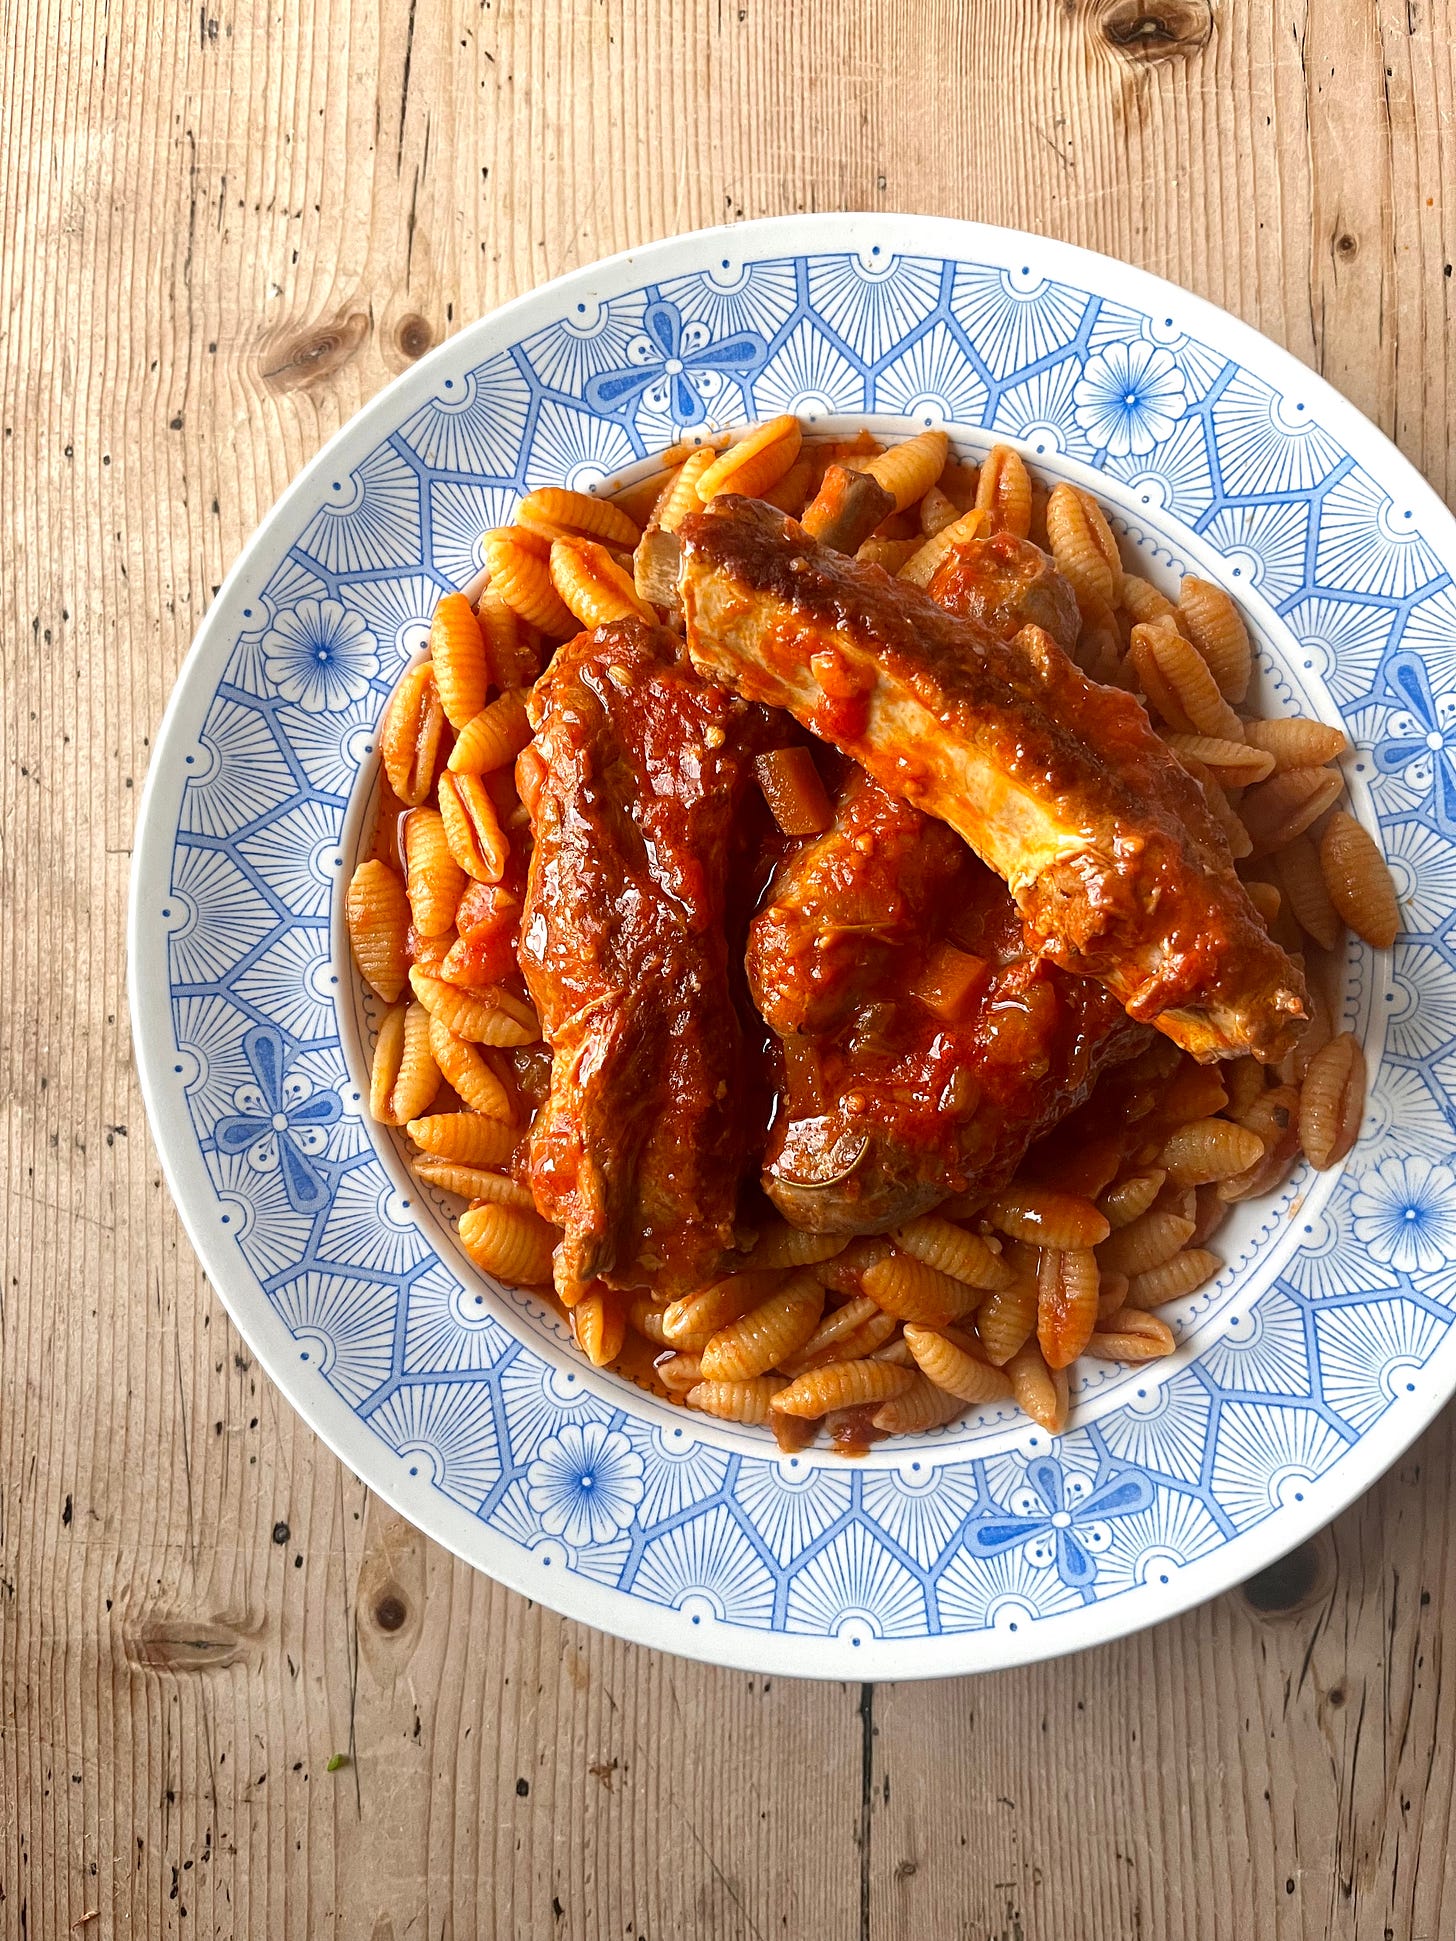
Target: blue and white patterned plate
<point>1322,1349</point>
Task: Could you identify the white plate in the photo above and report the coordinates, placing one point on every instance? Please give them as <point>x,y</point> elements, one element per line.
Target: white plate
<point>1321,1351</point>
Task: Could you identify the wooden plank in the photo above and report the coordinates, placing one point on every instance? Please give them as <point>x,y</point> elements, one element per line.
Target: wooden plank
<point>1277,1763</point>
<point>225,228</point>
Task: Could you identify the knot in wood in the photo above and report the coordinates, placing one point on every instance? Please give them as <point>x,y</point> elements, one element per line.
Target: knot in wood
<point>413,335</point>
<point>390,1611</point>
<point>184,1644</point>
<point>1290,1584</point>
<point>316,353</point>
<point>1157,30</point>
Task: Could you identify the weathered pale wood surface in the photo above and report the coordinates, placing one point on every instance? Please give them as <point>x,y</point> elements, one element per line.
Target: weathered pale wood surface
<point>224,228</point>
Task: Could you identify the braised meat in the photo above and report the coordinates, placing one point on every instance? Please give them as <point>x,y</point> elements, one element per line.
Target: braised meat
<point>912,1070</point>
<point>1060,785</point>
<point>846,908</point>
<point>1005,584</point>
<point>635,779</point>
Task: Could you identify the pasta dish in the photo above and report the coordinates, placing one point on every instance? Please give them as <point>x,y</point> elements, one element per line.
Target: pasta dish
<point>850,937</point>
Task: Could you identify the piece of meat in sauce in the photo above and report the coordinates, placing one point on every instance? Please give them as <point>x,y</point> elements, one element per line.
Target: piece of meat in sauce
<point>1059,784</point>
<point>1005,583</point>
<point>634,779</point>
<point>887,1108</point>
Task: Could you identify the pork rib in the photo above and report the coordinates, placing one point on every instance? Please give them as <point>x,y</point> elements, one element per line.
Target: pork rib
<point>1057,783</point>
<point>638,767</point>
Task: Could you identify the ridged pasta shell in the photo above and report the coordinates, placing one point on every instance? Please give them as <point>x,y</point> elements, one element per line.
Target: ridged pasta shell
<point>775,1327</point>
<point>1332,1101</point>
<point>510,1243</point>
<point>1306,893</point>
<point>377,913</point>
<point>473,1182</point>
<point>756,463</point>
<point>1003,491</point>
<point>1132,1336</point>
<point>1293,742</point>
<point>599,1325</point>
<point>556,512</point>
<point>693,1319</point>
<point>434,881</point>
<point>1044,1217</point>
<point>471,829</point>
<point>842,1385</point>
<point>592,586</point>
<point>1082,544</point>
<point>1067,1291</point>
<point>748,1402</point>
<point>780,1245</point>
<point>908,470</point>
<point>923,1406</point>
<point>457,654</point>
<point>1214,624</point>
<point>467,1071</point>
<point>1359,882</point>
<point>1276,811</point>
<point>1130,1197</point>
<point>906,1287</point>
<point>1042,1392</point>
<point>952,1250</point>
<point>1172,1279</point>
<point>493,738</point>
<point>951,1368</point>
<point>521,577</point>
<point>1208,1149</point>
<point>409,735</point>
<point>465,1138</point>
<point>1005,1321</point>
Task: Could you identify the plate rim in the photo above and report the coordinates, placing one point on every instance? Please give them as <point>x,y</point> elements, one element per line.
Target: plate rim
<point>326,1413</point>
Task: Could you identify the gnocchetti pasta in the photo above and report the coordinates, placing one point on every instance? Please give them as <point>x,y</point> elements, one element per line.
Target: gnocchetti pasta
<point>964,1307</point>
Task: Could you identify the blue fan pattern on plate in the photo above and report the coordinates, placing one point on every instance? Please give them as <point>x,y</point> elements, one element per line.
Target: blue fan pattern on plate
<point>462,1395</point>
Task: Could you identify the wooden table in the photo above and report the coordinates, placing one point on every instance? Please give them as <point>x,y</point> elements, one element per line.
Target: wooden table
<point>226,225</point>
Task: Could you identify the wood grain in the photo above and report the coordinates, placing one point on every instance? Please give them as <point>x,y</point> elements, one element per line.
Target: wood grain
<point>224,228</point>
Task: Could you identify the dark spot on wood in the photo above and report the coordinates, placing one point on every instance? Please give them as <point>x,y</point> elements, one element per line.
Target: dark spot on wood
<point>523,1788</point>
<point>1337,1696</point>
<point>413,335</point>
<point>66,1510</point>
<point>1287,1584</point>
<point>316,354</point>
<point>184,1644</point>
<point>281,1532</point>
<point>390,1611</point>
<point>1161,31</point>
<point>1346,246</point>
